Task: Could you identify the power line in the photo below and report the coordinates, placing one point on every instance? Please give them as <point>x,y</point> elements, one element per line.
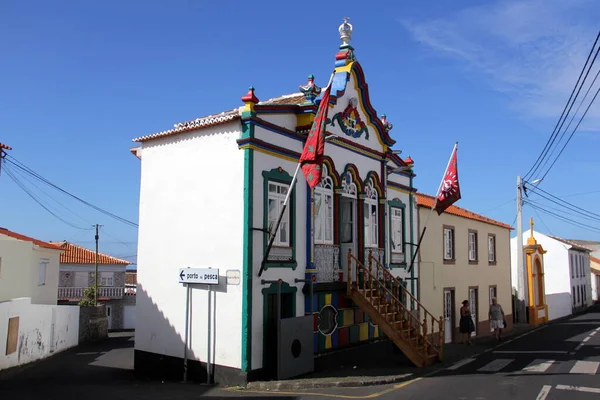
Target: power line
<point>572,118</point>
<point>13,161</point>
<point>567,220</point>
<point>563,211</point>
<point>22,176</point>
<point>34,198</point>
<point>580,194</point>
<point>543,223</point>
<point>552,137</point>
<point>572,207</point>
<point>572,133</point>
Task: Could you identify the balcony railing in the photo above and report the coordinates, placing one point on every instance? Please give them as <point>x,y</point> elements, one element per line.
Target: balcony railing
<point>103,292</point>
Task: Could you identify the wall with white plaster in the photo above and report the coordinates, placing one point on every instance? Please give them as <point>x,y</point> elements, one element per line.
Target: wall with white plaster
<point>43,330</point>
<point>191,214</point>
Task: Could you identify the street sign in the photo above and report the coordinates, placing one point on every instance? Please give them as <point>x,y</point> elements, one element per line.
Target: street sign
<point>233,276</point>
<point>202,276</point>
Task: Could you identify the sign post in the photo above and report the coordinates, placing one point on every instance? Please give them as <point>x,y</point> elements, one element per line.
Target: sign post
<point>197,276</point>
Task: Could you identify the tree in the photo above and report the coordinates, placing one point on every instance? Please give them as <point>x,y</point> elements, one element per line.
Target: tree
<point>88,296</point>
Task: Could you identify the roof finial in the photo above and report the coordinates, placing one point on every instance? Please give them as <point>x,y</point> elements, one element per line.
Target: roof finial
<point>345,30</point>
<point>531,226</point>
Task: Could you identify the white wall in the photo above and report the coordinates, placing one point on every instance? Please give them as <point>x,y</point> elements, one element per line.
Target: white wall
<point>19,271</point>
<point>557,278</point>
<point>580,276</point>
<point>191,214</point>
<point>43,330</point>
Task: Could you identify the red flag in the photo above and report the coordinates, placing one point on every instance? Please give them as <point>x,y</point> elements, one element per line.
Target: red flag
<point>312,155</point>
<point>449,191</point>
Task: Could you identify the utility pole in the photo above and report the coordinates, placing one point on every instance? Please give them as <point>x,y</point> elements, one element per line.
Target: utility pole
<point>96,270</point>
<point>520,307</point>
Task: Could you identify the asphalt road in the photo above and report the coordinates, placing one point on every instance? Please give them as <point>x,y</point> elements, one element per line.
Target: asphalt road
<point>559,361</point>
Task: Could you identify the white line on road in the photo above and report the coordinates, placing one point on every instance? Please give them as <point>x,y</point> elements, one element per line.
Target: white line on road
<point>586,339</point>
<point>593,333</point>
<point>578,388</point>
<point>460,364</point>
<point>495,365</point>
<point>544,392</point>
<point>538,366</point>
<point>585,367</point>
<point>530,352</point>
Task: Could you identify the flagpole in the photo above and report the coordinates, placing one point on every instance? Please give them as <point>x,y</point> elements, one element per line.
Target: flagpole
<point>437,195</point>
<point>273,233</point>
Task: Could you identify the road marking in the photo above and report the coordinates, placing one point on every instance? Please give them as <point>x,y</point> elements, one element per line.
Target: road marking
<point>460,364</point>
<point>530,352</point>
<point>578,388</point>
<point>593,333</point>
<point>538,366</point>
<point>337,396</point>
<point>544,392</point>
<point>496,365</point>
<point>586,339</point>
<point>597,329</point>
<point>585,367</point>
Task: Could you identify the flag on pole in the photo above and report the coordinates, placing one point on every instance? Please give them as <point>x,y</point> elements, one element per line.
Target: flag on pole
<point>312,155</point>
<point>449,190</point>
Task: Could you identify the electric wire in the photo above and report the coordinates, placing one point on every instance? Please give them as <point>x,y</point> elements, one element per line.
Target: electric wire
<point>552,137</point>
<point>14,162</point>
<point>567,220</point>
<point>542,220</point>
<point>548,196</point>
<point>16,180</point>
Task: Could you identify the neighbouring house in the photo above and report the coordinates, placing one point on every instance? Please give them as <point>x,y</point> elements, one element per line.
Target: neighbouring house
<point>32,326</point>
<point>594,264</point>
<point>464,256</point>
<point>595,278</point>
<point>77,273</point>
<point>211,190</point>
<point>28,268</point>
<point>566,273</point>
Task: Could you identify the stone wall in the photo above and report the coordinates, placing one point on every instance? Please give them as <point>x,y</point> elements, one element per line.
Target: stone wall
<point>93,324</point>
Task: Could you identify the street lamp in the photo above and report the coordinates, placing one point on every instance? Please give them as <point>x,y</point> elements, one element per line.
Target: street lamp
<point>521,298</point>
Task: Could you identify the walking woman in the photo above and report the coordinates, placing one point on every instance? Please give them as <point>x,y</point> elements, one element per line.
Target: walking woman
<point>466,322</point>
<point>497,319</point>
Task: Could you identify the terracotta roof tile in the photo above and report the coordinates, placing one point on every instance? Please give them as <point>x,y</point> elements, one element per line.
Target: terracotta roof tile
<point>18,236</point>
<point>204,122</point>
<point>424,200</point>
<point>287,99</point>
<point>596,260</point>
<point>5,147</point>
<point>222,118</point>
<point>74,254</point>
<point>571,243</point>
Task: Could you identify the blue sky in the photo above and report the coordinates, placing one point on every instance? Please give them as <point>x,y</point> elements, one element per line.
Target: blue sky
<point>81,79</point>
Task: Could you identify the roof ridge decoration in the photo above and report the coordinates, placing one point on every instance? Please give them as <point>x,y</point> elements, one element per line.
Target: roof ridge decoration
<point>346,64</point>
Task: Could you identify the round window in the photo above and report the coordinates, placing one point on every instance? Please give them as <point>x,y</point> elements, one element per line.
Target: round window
<point>327,320</point>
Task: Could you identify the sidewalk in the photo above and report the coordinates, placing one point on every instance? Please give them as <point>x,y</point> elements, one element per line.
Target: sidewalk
<point>377,364</point>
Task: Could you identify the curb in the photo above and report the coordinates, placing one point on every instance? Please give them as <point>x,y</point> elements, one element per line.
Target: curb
<point>358,381</point>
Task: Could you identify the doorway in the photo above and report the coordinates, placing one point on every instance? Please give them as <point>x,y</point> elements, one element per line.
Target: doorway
<point>347,233</point>
<point>287,310</point>
<point>473,300</point>
<point>449,315</point>
<point>109,315</point>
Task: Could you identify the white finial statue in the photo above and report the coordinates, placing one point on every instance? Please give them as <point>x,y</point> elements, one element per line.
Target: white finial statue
<point>345,30</point>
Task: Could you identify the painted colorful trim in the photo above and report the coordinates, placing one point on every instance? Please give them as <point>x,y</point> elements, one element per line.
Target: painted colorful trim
<point>340,81</point>
<point>402,187</point>
<point>247,264</point>
<point>397,203</point>
<point>272,149</point>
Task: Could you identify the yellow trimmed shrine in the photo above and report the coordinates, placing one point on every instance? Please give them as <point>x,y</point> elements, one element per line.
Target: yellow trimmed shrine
<point>534,257</point>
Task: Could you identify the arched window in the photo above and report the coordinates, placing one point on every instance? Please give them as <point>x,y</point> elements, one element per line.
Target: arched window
<point>324,209</point>
<point>371,216</point>
<point>348,187</point>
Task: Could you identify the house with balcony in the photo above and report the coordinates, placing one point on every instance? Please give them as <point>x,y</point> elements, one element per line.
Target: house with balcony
<point>77,273</point>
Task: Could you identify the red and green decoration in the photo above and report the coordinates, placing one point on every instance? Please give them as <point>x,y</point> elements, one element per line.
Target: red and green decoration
<point>350,122</point>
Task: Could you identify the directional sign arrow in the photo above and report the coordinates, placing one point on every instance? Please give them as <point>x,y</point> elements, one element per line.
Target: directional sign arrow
<point>181,274</point>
